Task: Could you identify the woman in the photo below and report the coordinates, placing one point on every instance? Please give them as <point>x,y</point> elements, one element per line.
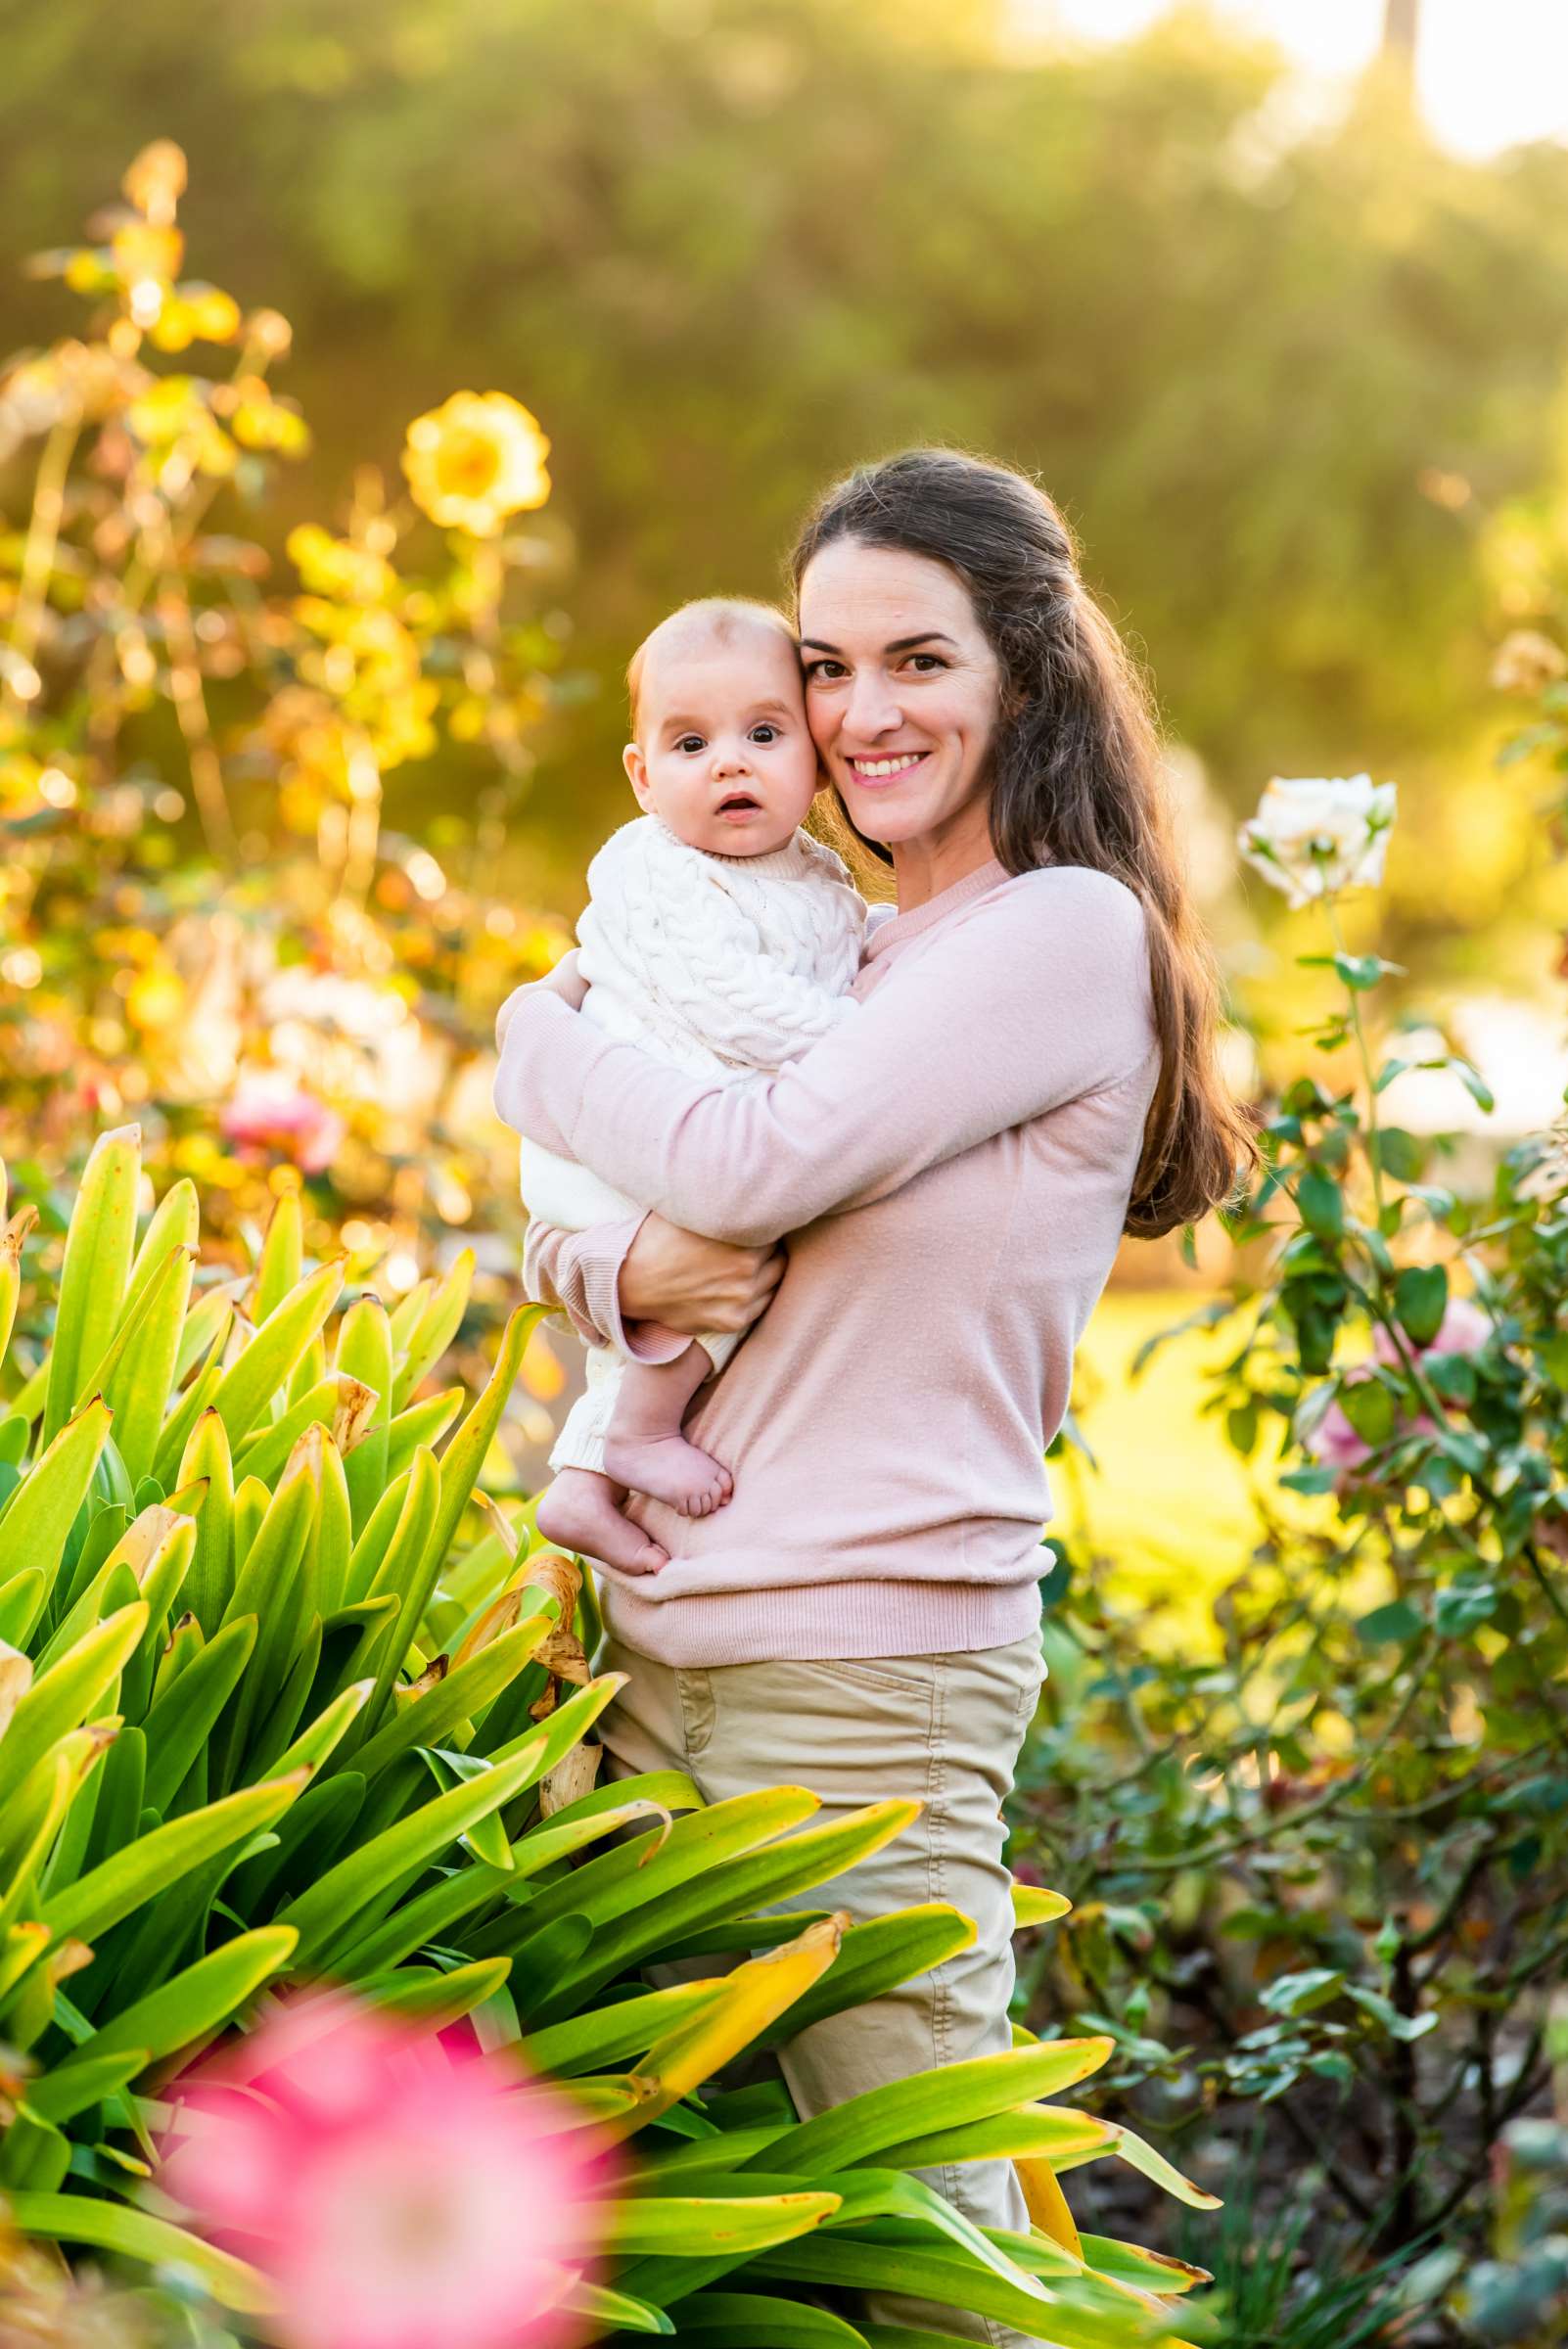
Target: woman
<point>1031,1073</point>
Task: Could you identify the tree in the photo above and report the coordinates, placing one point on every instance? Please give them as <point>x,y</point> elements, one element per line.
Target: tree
<point>740,245</point>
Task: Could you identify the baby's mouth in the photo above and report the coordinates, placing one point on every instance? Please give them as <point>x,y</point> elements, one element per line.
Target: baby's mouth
<point>740,803</point>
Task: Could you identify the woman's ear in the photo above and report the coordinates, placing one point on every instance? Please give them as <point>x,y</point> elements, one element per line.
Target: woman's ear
<point>636,767</point>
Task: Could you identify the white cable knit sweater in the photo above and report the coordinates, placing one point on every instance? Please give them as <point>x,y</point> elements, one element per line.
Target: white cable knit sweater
<point>743,960</point>
<point>717,964</point>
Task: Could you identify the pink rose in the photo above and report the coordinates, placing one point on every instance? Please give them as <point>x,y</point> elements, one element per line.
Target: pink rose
<point>1465,1329</point>
<point>1334,1444</point>
<point>268,1111</point>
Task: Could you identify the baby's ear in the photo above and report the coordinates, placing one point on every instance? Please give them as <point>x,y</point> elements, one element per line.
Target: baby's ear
<point>636,767</point>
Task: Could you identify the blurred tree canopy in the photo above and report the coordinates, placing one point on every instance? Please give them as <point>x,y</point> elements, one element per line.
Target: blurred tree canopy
<point>726,248</point>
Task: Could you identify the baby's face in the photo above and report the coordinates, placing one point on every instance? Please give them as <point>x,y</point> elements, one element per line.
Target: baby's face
<point>723,756</point>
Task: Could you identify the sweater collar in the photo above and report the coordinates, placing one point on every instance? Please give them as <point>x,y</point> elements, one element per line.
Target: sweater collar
<point>893,931</point>
<point>787,863</point>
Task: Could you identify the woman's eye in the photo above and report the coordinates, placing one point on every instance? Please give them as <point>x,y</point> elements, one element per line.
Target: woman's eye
<point>818,671</point>
<point>925,662</point>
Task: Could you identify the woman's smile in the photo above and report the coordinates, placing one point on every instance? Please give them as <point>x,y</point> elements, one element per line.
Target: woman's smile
<point>886,767</point>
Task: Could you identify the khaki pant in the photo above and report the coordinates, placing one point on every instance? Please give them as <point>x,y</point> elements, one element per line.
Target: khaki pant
<point>942,1730</point>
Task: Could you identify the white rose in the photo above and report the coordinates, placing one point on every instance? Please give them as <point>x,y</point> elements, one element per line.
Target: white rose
<point>1317,835</point>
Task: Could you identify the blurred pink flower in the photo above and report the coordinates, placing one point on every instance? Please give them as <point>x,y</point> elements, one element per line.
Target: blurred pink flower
<point>396,2194</point>
<point>1465,1329</point>
<point>1334,1444</point>
<point>268,1111</point>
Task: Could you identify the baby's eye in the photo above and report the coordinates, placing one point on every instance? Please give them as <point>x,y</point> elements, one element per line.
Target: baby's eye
<point>765,733</point>
<point>690,744</point>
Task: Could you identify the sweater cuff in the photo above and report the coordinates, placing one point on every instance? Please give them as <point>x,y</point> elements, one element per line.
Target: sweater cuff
<point>580,1271</point>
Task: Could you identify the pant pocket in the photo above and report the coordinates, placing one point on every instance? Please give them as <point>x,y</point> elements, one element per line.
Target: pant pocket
<point>695,1690</point>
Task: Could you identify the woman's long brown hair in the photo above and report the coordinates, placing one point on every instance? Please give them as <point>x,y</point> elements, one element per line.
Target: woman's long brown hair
<point>1076,773</point>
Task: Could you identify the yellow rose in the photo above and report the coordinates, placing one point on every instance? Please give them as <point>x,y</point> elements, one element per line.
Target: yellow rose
<point>157,999</point>
<point>474,460</point>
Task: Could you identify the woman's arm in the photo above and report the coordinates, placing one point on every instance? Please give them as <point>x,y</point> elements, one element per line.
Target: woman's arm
<point>630,1284</point>
<point>580,1272</point>
<point>1039,995</point>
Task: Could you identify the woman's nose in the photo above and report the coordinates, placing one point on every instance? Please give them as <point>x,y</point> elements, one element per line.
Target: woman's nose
<point>871,708</point>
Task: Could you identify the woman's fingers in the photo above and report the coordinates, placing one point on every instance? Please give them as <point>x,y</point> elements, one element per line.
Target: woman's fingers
<point>692,1284</point>
<point>744,1287</point>
<point>769,1273</point>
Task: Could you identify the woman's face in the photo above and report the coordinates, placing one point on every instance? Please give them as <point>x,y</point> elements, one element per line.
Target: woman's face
<point>902,689</point>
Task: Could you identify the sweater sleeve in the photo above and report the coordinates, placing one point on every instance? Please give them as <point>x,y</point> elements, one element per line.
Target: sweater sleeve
<point>580,1272</point>
<point>1035,995</point>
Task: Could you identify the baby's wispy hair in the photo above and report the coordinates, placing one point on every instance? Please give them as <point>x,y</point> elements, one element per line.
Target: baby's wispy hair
<point>712,619</point>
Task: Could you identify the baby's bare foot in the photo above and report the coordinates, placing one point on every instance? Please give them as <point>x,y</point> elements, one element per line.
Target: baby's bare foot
<point>579,1513</point>
<point>668,1469</point>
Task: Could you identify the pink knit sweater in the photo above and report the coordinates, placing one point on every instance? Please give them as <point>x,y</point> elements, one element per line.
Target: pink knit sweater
<point>952,1168</point>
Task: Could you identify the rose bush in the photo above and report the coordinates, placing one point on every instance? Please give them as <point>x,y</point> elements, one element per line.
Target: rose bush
<point>208,923</point>
<point>1326,1869</point>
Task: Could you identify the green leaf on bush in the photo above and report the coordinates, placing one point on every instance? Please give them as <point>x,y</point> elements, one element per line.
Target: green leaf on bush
<point>1321,1204</point>
<point>1420,1300</point>
<point>1315,1332</point>
<point>1452,1375</point>
<point>1361,971</point>
<point>1302,1993</point>
<point>1463,1605</point>
<point>1467,1452</point>
<point>1370,1408</point>
<point>1405,2027</point>
<point>1475,1084</point>
<point>1397,1153</point>
<point>1398,1620</point>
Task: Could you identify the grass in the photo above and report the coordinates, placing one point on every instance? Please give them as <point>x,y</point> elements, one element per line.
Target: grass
<point>1165,1497</point>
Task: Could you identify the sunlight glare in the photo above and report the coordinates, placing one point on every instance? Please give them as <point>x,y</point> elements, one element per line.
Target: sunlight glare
<point>1486,77</point>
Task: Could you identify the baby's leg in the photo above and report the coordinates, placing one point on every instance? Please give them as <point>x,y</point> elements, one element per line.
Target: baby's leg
<point>645,1447</point>
<point>579,1513</point>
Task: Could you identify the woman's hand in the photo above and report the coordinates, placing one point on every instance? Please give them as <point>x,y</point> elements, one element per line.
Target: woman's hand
<point>691,1284</point>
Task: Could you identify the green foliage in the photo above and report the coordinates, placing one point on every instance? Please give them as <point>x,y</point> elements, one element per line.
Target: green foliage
<point>1282,2282</point>
<point>1330,1866</point>
<point>1517,2293</point>
<point>311,985</point>
<point>240,1748</point>
<point>1236,355</point>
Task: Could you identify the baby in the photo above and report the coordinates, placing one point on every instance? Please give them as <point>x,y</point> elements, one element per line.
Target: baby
<point>722,936</point>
